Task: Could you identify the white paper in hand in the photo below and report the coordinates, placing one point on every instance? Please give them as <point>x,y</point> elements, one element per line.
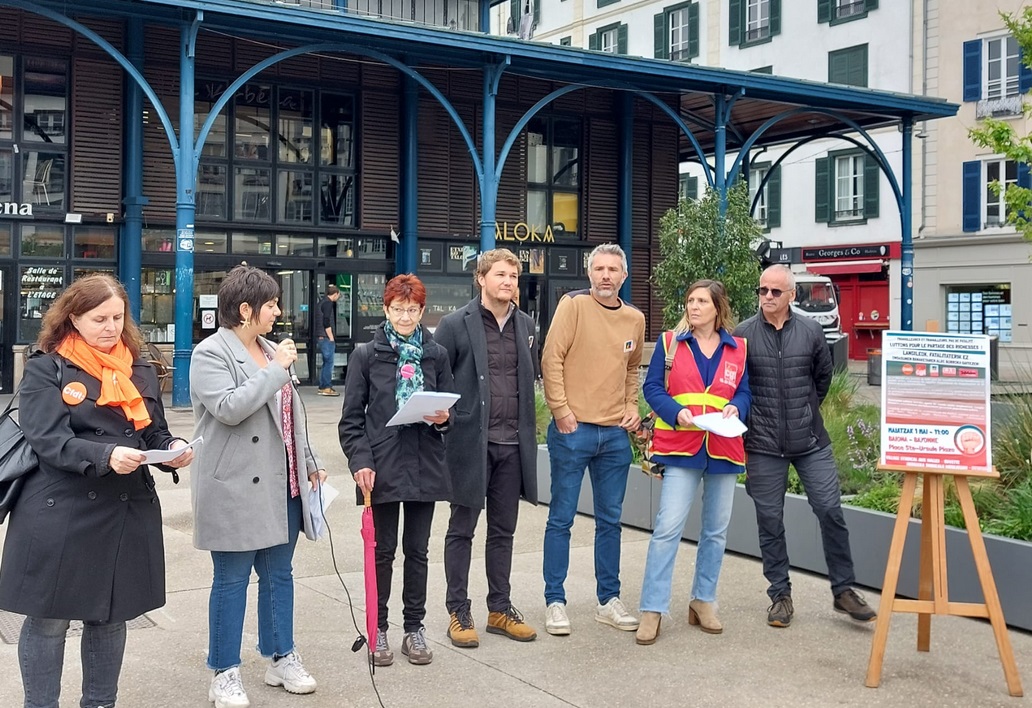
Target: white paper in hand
<point>423,403</point>
<point>153,457</point>
<point>717,424</point>
<point>318,504</point>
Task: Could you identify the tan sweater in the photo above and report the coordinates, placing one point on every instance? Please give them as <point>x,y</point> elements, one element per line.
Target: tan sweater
<point>590,359</point>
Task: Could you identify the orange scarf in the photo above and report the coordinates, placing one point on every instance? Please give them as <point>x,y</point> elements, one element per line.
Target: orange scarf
<point>115,373</point>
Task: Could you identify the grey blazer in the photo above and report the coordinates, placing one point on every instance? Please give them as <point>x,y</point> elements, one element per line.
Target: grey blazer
<point>238,479</point>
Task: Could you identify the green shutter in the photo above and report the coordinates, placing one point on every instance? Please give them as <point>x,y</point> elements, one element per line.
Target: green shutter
<point>838,68</point>
<point>871,5</point>
<point>693,30</point>
<point>860,66</point>
<point>823,11</point>
<point>691,189</point>
<point>537,12</point>
<point>660,28</point>
<point>872,178</point>
<point>566,41</point>
<point>515,14</point>
<point>822,195</point>
<point>593,41</point>
<point>621,39</point>
<point>775,17</point>
<point>774,198</point>
<point>734,22</point>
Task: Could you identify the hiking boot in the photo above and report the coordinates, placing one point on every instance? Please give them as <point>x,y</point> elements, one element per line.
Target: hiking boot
<point>780,613</point>
<point>557,622</point>
<point>511,624</point>
<point>289,672</point>
<point>227,690</point>
<point>383,656</point>
<point>461,631</point>
<point>414,647</point>
<point>616,615</point>
<point>327,392</point>
<point>648,630</point>
<point>848,602</point>
<point>704,614</point>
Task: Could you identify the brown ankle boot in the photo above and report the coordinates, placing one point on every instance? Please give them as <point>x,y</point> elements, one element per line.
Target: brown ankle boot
<point>648,628</point>
<point>511,624</point>
<point>704,614</point>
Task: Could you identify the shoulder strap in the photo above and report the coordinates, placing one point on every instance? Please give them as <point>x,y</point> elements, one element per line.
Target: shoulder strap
<point>669,348</point>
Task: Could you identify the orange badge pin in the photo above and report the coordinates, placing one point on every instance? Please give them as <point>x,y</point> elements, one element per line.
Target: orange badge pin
<point>74,393</point>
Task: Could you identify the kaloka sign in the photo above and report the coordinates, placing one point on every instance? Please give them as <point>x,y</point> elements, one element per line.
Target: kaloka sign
<point>15,209</point>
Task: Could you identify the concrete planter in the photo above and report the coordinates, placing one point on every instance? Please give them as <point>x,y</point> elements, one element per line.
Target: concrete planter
<point>870,533</point>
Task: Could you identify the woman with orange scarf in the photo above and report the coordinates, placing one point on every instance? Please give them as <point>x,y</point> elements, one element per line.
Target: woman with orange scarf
<point>85,540</point>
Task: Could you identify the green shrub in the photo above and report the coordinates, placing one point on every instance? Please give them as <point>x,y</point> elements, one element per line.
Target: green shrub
<point>882,495</point>
<point>1015,514</point>
<point>1012,440</point>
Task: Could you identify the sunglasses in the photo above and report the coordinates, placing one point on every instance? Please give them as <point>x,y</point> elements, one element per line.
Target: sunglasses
<point>774,292</point>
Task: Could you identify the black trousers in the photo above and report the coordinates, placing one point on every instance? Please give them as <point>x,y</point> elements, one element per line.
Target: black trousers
<point>419,516</point>
<point>504,482</point>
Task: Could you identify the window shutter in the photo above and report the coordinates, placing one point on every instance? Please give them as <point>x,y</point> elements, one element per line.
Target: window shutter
<point>838,68</point>
<point>859,68</point>
<point>775,17</point>
<point>872,180</point>
<point>774,198</point>
<point>822,195</point>
<point>823,11</point>
<point>691,188</point>
<point>871,5</point>
<point>515,14</point>
<point>693,30</point>
<point>1024,178</point>
<point>734,22</point>
<point>971,180</point>
<point>660,29</point>
<point>973,70</point>
<point>621,39</point>
<point>1024,74</point>
<point>537,12</point>
<point>593,41</point>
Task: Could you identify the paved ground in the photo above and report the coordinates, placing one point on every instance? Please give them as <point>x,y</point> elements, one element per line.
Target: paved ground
<point>820,661</point>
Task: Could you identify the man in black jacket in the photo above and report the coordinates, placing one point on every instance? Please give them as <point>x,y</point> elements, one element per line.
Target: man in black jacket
<point>492,450</point>
<point>325,319</point>
<point>790,372</point>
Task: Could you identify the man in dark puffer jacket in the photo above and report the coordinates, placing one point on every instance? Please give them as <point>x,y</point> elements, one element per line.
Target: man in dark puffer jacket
<point>790,372</point>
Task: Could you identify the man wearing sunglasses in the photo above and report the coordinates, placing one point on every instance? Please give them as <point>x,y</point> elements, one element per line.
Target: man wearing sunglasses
<point>790,371</point>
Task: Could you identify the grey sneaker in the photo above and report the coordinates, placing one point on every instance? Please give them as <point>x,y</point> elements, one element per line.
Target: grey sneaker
<point>780,613</point>
<point>383,656</point>
<point>227,690</point>
<point>414,647</point>
<point>616,615</point>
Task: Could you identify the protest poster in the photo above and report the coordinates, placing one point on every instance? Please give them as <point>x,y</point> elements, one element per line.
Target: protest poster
<point>935,402</point>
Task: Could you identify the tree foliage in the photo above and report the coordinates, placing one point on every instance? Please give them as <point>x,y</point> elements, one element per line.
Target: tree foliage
<point>693,247</point>
<point>1001,137</point>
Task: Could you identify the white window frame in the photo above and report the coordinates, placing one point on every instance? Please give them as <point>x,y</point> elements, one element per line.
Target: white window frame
<point>757,20</point>
<point>849,8</point>
<point>994,209</point>
<point>756,175</point>
<point>849,188</point>
<point>1008,57</point>
<point>680,34</point>
<point>608,40</point>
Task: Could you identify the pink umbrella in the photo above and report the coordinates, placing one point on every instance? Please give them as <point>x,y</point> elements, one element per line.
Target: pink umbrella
<point>371,599</point>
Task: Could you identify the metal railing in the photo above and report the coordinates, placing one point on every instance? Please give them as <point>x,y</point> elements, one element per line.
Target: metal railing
<point>450,14</point>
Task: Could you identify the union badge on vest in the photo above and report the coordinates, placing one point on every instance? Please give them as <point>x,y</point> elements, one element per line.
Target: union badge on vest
<point>730,375</point>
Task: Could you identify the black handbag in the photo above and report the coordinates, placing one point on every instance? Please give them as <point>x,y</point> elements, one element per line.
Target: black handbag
<point>17,460</point>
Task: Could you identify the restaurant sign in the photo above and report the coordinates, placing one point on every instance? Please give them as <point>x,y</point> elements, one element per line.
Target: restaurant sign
<point>15,209</point>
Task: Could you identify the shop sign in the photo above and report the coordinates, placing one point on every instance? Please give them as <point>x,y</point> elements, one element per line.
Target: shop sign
<point>15,209</point>
<point>845,253</point>
<point>522,232</point>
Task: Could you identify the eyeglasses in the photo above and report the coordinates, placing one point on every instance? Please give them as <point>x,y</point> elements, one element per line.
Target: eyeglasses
<point>774,292</point>
<point>412,312</point>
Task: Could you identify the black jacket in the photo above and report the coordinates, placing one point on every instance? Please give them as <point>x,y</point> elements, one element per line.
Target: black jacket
<point>408,460</point>
<point>789,374</point>
<point>83,542</point>
<point>462,334</point>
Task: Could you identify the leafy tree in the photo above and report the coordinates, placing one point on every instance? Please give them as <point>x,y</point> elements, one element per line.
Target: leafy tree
<point>1001,137</point>
<point>695,247</point>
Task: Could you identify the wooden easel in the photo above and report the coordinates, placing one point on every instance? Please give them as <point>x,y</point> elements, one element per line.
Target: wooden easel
<point>933,589</point>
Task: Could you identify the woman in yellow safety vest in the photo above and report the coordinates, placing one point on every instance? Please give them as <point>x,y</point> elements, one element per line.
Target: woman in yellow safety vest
<point>697,368</point>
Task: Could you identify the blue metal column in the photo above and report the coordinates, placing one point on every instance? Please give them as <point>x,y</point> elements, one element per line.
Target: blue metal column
<point>406,258</point>
<point>186,169</point>
<point>907,252</point>
<point>488,179</point>
<point>625,184</point>
<point>130,244</point>
<point>720,156</point>
<point>485,17</point>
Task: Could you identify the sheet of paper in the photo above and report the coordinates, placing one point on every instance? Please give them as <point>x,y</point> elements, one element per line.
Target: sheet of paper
<point>423,403</point>
<point>717,424</point>
<point>318,504</point>
<point>152,457</point>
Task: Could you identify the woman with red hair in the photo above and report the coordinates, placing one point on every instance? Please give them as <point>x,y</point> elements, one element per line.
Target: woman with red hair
<point>401,466</point>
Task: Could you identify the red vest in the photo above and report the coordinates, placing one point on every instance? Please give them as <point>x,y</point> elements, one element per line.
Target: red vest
<point>684,383</point>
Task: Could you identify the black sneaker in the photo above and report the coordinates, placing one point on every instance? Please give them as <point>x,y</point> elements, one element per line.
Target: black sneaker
<point>780,613</point>
<point>848,602</point>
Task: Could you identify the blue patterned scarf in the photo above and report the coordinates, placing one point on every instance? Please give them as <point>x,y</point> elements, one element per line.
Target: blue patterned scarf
<point>409,378</point>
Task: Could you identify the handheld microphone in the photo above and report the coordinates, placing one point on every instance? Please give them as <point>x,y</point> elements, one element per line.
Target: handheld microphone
<point>290,369</point>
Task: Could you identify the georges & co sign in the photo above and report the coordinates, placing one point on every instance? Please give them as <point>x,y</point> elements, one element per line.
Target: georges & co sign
<point>846,253</point>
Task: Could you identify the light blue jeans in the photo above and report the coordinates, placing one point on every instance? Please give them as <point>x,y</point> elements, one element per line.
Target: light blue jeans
<point>675,501</point>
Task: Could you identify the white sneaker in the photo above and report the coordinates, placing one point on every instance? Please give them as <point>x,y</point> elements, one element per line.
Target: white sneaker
<point>616,615</point>
<point>556,620</point>
<point>289,673</point>
<point>227,690</point>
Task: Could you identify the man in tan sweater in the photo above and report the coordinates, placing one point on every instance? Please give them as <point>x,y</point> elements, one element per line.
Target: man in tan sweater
<point>590,368</point>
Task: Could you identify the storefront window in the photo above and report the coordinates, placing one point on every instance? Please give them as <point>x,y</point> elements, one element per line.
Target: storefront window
<point>40,286</point>
<point>6,176</point>
<point>337,199</point>
<point>6,97</point>
<point>43,241</point>
<point>251,127</point>
<point>337,125</point>
<point>260,244</point>
<point>979,309</point>
<point>335,247</point>
<point>295,196</point>
<point>287,245</point>
<point>94,242</point>
<point>553,176</point>
<point>372,248</point>
<point>159,240</point>
<point>83,271</point>
<point>211,192</point>
<point>210,242</point>
<point>5,239</point>
<point>157,304</point>
<point>252,193</point>
<point>43,179</point>
<point>295,126</point>
<point>46,90</point>
<point>444,295</point>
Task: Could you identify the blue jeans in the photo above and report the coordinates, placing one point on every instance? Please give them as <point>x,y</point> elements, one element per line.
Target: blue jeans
<point>675,501</point>
<point>41,656</point>
<point>766,482</point>
<point>606,452</point>
<point>326,349</point>
<point>228,600</point>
